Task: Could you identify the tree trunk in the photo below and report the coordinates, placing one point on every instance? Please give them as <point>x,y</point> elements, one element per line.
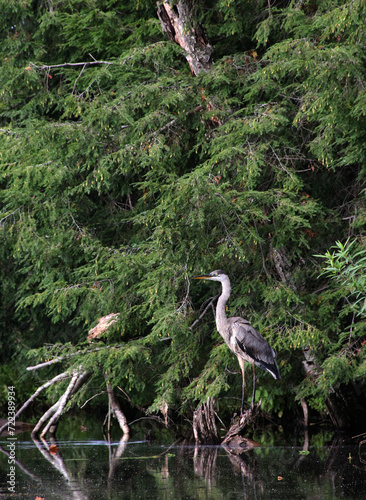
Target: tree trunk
<point>177,21</point>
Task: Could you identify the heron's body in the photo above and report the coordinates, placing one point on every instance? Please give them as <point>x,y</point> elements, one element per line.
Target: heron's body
<point>240,336</point>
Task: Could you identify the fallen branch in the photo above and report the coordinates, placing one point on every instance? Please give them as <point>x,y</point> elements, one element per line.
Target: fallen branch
<point>43,419</point>
<point>61,405</point>
<point>54,413</point>
<point>61,376</point>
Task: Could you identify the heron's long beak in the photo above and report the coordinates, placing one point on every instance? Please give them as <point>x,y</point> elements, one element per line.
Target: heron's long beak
<point>202,277</point>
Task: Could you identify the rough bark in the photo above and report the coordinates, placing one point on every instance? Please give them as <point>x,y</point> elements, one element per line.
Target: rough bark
<point>178,23</point>
<point>282,264</point>
<point>204,426</point>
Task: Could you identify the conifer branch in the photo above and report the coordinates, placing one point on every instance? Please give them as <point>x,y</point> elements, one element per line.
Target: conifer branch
<point>172,122</point>
<point>210,304</point>
<point>9,215</point>
<point>57,359</point>
<point>67,65</point>
<point>85,64</point>
<point>48,363</point>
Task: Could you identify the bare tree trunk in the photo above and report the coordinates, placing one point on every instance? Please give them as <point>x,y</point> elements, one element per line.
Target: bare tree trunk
<point>305,412</point>
<point>177,21</point>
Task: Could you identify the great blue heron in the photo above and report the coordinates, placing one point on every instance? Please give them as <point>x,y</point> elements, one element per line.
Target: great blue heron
<point>243,340</point>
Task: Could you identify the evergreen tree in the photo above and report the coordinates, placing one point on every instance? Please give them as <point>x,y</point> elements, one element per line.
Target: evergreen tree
<point>123,175</point>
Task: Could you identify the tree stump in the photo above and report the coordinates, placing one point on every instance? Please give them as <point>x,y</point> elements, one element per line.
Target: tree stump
<point>204,426</point>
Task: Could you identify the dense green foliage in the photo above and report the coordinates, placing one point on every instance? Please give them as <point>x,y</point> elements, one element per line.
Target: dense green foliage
<point>122,176</point>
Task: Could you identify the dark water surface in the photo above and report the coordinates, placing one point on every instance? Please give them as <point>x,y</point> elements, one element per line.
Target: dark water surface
<point>91,469</point>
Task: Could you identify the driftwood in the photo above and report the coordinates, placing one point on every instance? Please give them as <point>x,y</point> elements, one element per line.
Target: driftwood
<point>59,377</point>
<point>233,441</point>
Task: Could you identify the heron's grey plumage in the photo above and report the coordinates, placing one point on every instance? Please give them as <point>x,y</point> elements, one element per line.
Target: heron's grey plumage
<point>252,345</point>
<point>241,337</point>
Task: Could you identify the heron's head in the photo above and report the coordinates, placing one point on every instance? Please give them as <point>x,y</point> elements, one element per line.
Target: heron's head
<point>214,276</point>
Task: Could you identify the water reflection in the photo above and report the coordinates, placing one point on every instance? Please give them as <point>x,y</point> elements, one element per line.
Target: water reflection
<point>204,463</point>
<point>87,470</point>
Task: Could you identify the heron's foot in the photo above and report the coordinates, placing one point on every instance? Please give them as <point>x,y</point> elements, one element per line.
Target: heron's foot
<point>249,414</point>
<point>245,412</point>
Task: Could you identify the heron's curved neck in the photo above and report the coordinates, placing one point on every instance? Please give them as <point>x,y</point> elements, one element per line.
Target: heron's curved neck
<point>221,320</point>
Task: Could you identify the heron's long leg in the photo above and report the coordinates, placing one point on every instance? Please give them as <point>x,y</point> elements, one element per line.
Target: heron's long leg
<point>242,366</point>
<point>242,393</point>
<point>254,384</point>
